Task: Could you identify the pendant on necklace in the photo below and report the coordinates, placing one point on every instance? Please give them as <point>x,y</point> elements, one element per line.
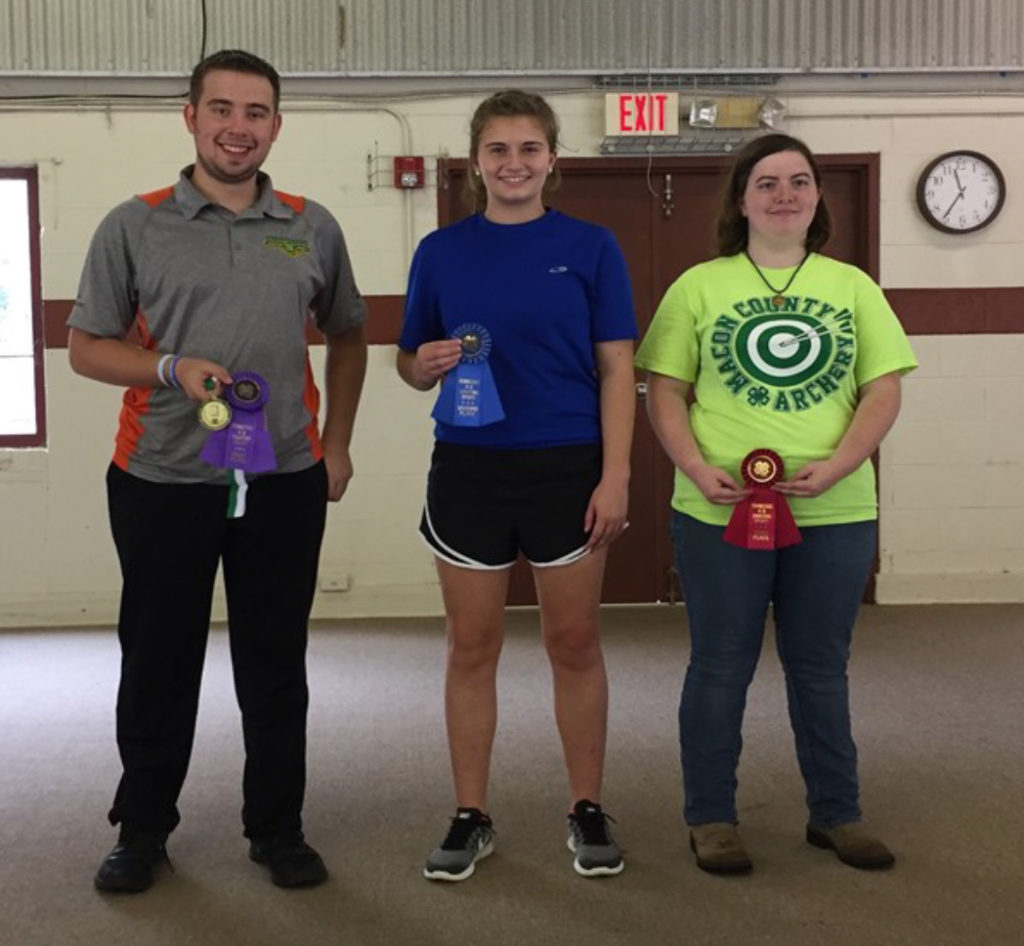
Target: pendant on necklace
<point>779,299</point>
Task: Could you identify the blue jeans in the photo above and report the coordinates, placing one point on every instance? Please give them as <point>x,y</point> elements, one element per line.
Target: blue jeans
<point>815,589</point>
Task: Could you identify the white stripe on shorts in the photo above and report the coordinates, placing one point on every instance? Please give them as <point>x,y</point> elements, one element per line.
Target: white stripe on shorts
<point>574,556</point>
<point>453,557</point>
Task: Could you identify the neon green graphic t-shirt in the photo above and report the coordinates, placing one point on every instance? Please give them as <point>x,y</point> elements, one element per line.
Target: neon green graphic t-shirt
<point>781,373</point>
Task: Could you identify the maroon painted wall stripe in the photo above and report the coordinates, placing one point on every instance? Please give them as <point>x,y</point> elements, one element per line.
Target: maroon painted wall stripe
<point>982,311</point>
<point>383,325</point>
<point>991,311</point>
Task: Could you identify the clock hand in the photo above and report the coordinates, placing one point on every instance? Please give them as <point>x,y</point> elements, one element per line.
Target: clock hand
<point>952,205</point>
<point>956,176</point>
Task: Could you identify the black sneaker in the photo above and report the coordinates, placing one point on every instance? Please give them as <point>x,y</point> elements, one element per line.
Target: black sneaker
<point>292,862</point>
<point>597,855</point>
<point>470,839</point>
<point>130,867</point>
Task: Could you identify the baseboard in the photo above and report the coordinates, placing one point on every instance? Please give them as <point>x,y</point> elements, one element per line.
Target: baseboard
<point>957,588</point>
<point>67,609</point>
<point>99,609</point>
<point>379,601</point>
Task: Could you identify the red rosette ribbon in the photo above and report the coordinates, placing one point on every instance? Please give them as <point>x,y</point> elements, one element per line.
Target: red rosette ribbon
<point>763,519</point>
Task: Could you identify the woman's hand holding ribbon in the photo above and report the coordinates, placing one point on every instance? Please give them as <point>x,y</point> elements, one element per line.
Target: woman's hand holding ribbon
<point>810,480</point>
<point>717,485</point>
<point>435,359</point>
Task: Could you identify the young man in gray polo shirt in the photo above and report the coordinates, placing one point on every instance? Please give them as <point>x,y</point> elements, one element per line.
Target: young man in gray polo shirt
<point>219,274</point>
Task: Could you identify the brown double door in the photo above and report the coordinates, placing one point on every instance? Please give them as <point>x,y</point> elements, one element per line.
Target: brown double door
<point>663,216</point>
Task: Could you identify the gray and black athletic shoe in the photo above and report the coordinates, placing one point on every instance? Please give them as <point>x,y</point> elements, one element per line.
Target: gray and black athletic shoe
<point>597,855</point>
<point>470,839</point>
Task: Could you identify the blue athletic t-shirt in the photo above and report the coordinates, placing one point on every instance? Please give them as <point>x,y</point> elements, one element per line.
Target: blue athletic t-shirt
<point>546,291</point>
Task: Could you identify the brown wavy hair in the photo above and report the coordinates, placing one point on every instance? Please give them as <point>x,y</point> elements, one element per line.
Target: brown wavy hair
<point>511,103</point>
<point>233,60</point>
<point>733,229</point>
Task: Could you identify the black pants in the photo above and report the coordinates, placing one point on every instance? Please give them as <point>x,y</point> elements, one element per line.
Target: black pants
<point>170,540</point>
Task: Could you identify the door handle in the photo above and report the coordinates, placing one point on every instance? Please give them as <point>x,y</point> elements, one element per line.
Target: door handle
<point>641,389</point>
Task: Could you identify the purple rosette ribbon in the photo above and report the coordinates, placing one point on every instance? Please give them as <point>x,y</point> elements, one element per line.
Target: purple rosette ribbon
<point>245,443</point>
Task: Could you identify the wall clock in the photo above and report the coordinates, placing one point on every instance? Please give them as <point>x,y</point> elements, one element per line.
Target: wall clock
<point>961,191</point>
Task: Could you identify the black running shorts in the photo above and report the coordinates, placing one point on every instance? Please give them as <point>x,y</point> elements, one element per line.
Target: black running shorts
<point>486,505</point>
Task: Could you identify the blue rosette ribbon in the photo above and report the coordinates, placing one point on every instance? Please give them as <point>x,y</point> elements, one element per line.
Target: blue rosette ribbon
<point>469,396</point>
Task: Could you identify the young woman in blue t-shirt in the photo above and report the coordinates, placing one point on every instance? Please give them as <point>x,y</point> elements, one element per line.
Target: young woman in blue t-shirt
<point>525,317</point>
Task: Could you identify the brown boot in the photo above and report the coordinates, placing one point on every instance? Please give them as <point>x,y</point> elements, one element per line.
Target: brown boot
<point>719,849</point>
<point>852,846</point>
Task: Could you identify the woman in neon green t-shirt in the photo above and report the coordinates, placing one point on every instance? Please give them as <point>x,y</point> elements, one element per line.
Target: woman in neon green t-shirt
<point>792,352</point>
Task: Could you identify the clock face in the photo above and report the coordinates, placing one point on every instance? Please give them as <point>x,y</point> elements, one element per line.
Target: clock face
<point>961,192</point>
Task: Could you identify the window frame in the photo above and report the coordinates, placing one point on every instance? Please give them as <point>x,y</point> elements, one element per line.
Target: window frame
<point>30,174</point>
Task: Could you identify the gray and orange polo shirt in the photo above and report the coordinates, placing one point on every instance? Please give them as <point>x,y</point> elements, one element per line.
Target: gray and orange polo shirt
<point>196,279</point>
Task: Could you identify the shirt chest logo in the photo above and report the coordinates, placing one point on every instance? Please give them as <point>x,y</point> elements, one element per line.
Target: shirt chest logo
<point>291,248</point>
<point>783,358</point>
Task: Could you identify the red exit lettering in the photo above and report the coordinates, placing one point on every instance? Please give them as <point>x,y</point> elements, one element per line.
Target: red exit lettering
<point>642,112</point>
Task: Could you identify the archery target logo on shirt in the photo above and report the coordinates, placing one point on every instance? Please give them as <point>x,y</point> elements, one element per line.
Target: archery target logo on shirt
<point>783,357</point>
<point>783,350</point>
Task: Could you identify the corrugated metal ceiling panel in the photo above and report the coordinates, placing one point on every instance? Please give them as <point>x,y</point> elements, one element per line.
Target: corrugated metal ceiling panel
<point>164,36</point>
<point>553,37</point>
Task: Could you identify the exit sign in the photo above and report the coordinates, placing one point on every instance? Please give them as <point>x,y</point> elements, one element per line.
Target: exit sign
<point>641,113</point>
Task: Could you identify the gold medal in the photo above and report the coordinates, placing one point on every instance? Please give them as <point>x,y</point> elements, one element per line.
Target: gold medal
<point>215,414</point>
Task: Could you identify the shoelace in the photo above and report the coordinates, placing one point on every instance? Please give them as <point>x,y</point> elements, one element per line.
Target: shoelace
<point>461,831</point>
<point>592,827</point>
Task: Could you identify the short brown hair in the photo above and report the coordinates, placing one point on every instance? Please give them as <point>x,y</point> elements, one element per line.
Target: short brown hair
<point>233,60</point>
<point>733,228</point>
<point>511,103</point>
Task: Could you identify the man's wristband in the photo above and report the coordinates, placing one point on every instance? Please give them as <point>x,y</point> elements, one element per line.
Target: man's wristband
<point>160,370</point>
